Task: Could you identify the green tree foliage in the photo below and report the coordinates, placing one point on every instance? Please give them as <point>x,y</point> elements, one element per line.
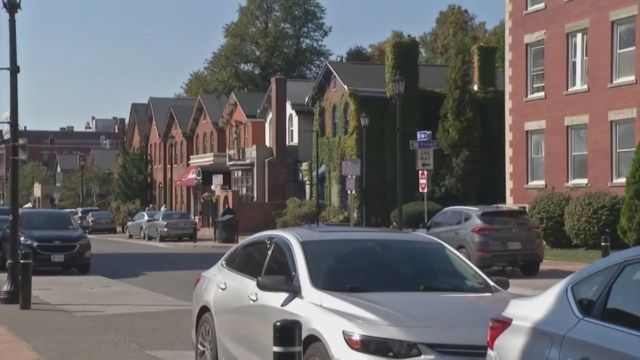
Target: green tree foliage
<point>269,37</point>
<point>95,184</point>
<point>358,53</point>
<point>30,173</point>
<point>451,23</point>
<point>458,130</point>
<point>123,211</point>
<point>131,177</point>
<point>592,215</point>
<point>413,213</point>
<point>298,212</point>
<point>495,37</point>
<point>629,226</point>
<point>547,210</point>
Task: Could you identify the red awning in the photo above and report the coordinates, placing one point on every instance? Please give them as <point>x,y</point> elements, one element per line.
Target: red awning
<point>189,177</point>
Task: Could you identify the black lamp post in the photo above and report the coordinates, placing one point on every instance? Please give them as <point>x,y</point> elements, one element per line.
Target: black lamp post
<point>364,121</point>
<point>398,91</point>
<point>82,164</point>
<point>9,293</point>
<point>172,151</point>
<point>317,177</point>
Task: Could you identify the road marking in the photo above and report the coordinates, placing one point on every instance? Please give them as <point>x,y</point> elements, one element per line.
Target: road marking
<point>172,355</point>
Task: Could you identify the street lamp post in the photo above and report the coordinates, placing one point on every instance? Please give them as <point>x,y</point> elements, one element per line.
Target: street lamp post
<point>317,177</point>
<point>82,164</point>
<point>364,121</point>
<point>398,91</point>
<point>9,293</point>
<point>172,150</point>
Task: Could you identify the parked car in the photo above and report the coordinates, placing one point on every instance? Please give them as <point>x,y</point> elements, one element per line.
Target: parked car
<point>171,224</point>
<point>4,222</point>
<point>135,226</point>
<point>592,314</point>
<point>54,238</point>
<point>359,294</point>
<point>101,221</point>
<point>81,216</point>
<point>491,236</point>
<point>5,211</point>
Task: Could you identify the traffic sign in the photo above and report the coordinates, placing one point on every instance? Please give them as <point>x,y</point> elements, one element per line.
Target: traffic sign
<point>422,181</point>
<point>424,159</point>
<point>351,184</point>
<point>423,135</point>
<point>351,167</point>
<point>423,144</point>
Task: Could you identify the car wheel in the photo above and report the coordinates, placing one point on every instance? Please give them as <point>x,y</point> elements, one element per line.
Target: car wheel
<point>464,252</point>
<point>206,344</point>
<point>129,236</point>
<point>84,269</point>
<point>316,351</point>
<point>530,269</point>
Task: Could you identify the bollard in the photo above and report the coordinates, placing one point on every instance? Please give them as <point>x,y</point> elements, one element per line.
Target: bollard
<point>605,245</point>
<point>287,340</point>
<point>26,271</point>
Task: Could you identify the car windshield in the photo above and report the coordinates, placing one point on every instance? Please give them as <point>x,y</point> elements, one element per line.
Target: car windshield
<point>4,221</point>
<point>151,214</point>
<point>176,216</point>
<point>389,266</point>
<point>53,220</point>
<point>504,217</point>
<point>101,215</point>
<point>5,211</point>
<point>87,211</point>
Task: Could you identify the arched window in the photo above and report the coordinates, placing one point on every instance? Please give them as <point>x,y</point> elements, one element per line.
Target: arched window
<point>345,113</point>
<point>197,145</point>
<point>334,121</point>
<point>204,144</point>
<point>180,151</point>
<point>212,142</point>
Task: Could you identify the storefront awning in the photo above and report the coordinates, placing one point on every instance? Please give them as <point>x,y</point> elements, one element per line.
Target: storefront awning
<point>189,177</point>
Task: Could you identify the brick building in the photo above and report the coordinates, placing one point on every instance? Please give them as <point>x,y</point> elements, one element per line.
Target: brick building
<point>137,127</point>
<point>571,97</point>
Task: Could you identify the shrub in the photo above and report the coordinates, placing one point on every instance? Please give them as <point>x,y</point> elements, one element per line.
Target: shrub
<point>629,226</point>
<point>413,213</point>
<point>334,215</point>
<point>123,211</point>
<point>298,212</point>
<point>592,215</point>
<point>547,210</point>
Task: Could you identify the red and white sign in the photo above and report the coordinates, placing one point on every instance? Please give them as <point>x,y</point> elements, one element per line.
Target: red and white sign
<point>422,181</point>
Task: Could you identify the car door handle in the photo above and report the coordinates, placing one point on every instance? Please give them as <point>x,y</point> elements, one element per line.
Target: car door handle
<point>253,297</point>
<point>222,286</point>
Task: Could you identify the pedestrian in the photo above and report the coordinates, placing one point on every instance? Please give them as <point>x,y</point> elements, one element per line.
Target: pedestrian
<point>228,210</point>
<point>163,208</point>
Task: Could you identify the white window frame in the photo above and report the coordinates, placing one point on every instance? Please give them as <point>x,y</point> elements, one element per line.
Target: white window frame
<point>578,61</point>
<point>530,156</point>
<point>531,6</point>
<point>571,153</point>
<point>531,71</point>
<point>615,151</point>
<point>616,51</point>
<point>291,135</point>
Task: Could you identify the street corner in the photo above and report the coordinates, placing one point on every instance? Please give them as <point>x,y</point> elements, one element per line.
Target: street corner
<point>12,348</point>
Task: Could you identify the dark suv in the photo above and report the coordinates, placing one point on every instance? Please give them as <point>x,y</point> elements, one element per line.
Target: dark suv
<point>491,236</point>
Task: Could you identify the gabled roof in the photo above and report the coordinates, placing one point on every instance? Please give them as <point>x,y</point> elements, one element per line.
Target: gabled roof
<point>137,120</point>
<point>249,102</point>
<point>160,106</point>
<point>104,159</point>
<point>213,105</point>
<point>297,92</point>
<point>182,114</point>
<point>68,162</point>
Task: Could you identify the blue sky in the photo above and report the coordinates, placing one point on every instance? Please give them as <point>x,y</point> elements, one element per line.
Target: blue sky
<point>88,58</point>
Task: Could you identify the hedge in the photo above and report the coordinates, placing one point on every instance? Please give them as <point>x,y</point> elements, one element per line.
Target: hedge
<point>413,213</point>
<point>547,210</point>
<point>588,217</point>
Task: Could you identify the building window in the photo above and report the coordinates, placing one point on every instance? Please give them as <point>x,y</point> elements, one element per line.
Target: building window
<point>345,113</point>
<point>212,143</point>
<point>578,60</point>
<point>578,153</point>
<point>242,182</point>
<point>623,146</point>
<point>535,140</point>
<point>246,135</point>
<point>197,144</point>
<point>535,68</point>
<point>534,4</point>
<point>290,130</point>
<point>204,143</point>
<point>624,49</point>
<point>334,121</point>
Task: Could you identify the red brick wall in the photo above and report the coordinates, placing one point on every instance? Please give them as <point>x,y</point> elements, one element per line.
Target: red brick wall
<point>204,128</point>
<point>331,97</point>
<point>252,217</point>
<point>597,102</point>
<point>156,152</point>
<point>257,133</point>
<point>181,161</point>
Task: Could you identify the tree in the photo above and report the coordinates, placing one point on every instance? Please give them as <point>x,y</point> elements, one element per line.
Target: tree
<point>458,132</point>
<point>269,37</point>
<point>130,177</point>
<point>495,37</point>
<point>96,186</point>
<point>358,53</point>
<point>30,173</point>
<point>629,226</point>
<point>454,22</point>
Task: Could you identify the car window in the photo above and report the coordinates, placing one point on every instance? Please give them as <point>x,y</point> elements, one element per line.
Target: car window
<point>587,291</point>
<point>248,259</point>
<point>504,217</point>
<point>466,218</point>
<point>277,264</point>
<point>455,218</point>
<point>157,216</point>
<point>150,214</point>
<point>176,216</point>
<point>101,215</point>
<point>87,211</point>
<point>440,219</point>
<point>58,220</point>
<point>389,266</point>
<point>138,217</point>
<point>623,304</point>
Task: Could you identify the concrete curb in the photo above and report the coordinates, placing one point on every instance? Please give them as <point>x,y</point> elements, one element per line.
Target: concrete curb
<point>169,245</point>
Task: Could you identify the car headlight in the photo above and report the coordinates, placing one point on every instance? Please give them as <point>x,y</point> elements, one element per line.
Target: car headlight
<point>26,241</point>
<point>83,241</point>
<point>393,349</point>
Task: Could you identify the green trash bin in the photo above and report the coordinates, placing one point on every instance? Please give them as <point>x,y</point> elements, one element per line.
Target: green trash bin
<point>226,229</point>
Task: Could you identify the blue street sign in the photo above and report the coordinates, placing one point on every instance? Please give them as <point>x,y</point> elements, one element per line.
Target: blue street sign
<point>423,144</point>
<point>423,135</point>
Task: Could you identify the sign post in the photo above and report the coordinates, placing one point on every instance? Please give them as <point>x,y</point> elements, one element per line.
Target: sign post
<point>351,169</point>
<point>423,186</point>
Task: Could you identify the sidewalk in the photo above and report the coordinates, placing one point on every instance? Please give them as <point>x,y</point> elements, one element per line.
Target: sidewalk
<point>12,348</point>
<point>562,265</point>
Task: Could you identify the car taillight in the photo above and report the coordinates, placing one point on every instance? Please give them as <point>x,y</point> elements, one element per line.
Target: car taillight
<point>497,325</point>
<point>483,230</point>
<point>534,228</point>
<point>197,282</point>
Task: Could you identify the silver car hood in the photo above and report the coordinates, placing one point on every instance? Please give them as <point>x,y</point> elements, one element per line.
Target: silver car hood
<point>423,310</point>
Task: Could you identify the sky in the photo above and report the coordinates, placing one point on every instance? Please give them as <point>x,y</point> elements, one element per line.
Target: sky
<point>85,58</point>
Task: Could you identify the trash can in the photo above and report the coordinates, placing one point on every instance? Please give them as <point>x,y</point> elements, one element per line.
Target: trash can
<point>226,229</point>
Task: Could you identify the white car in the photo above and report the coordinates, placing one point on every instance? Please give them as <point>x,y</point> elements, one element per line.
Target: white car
<point>359,294</point>
<point>592,314</point>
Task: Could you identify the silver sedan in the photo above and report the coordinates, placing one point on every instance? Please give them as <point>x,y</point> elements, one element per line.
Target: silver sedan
<point>171,224</point>
<point>592,314</point>
<point>360,294</point>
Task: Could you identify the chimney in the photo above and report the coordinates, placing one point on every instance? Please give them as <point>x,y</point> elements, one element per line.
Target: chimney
<point>63,129</point>
<point>69,128</point>
<point>279,116</point>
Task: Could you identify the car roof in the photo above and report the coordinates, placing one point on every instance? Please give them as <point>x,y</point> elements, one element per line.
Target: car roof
<point>328,232</point>
<point>43,211</point>
<point>482,208</point>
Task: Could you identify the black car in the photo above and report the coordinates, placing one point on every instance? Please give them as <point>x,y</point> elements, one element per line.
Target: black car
<point>54,238</point>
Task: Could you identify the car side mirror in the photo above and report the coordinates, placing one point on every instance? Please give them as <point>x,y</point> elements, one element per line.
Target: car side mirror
<point>501,281</point>
<point>277,283</point>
